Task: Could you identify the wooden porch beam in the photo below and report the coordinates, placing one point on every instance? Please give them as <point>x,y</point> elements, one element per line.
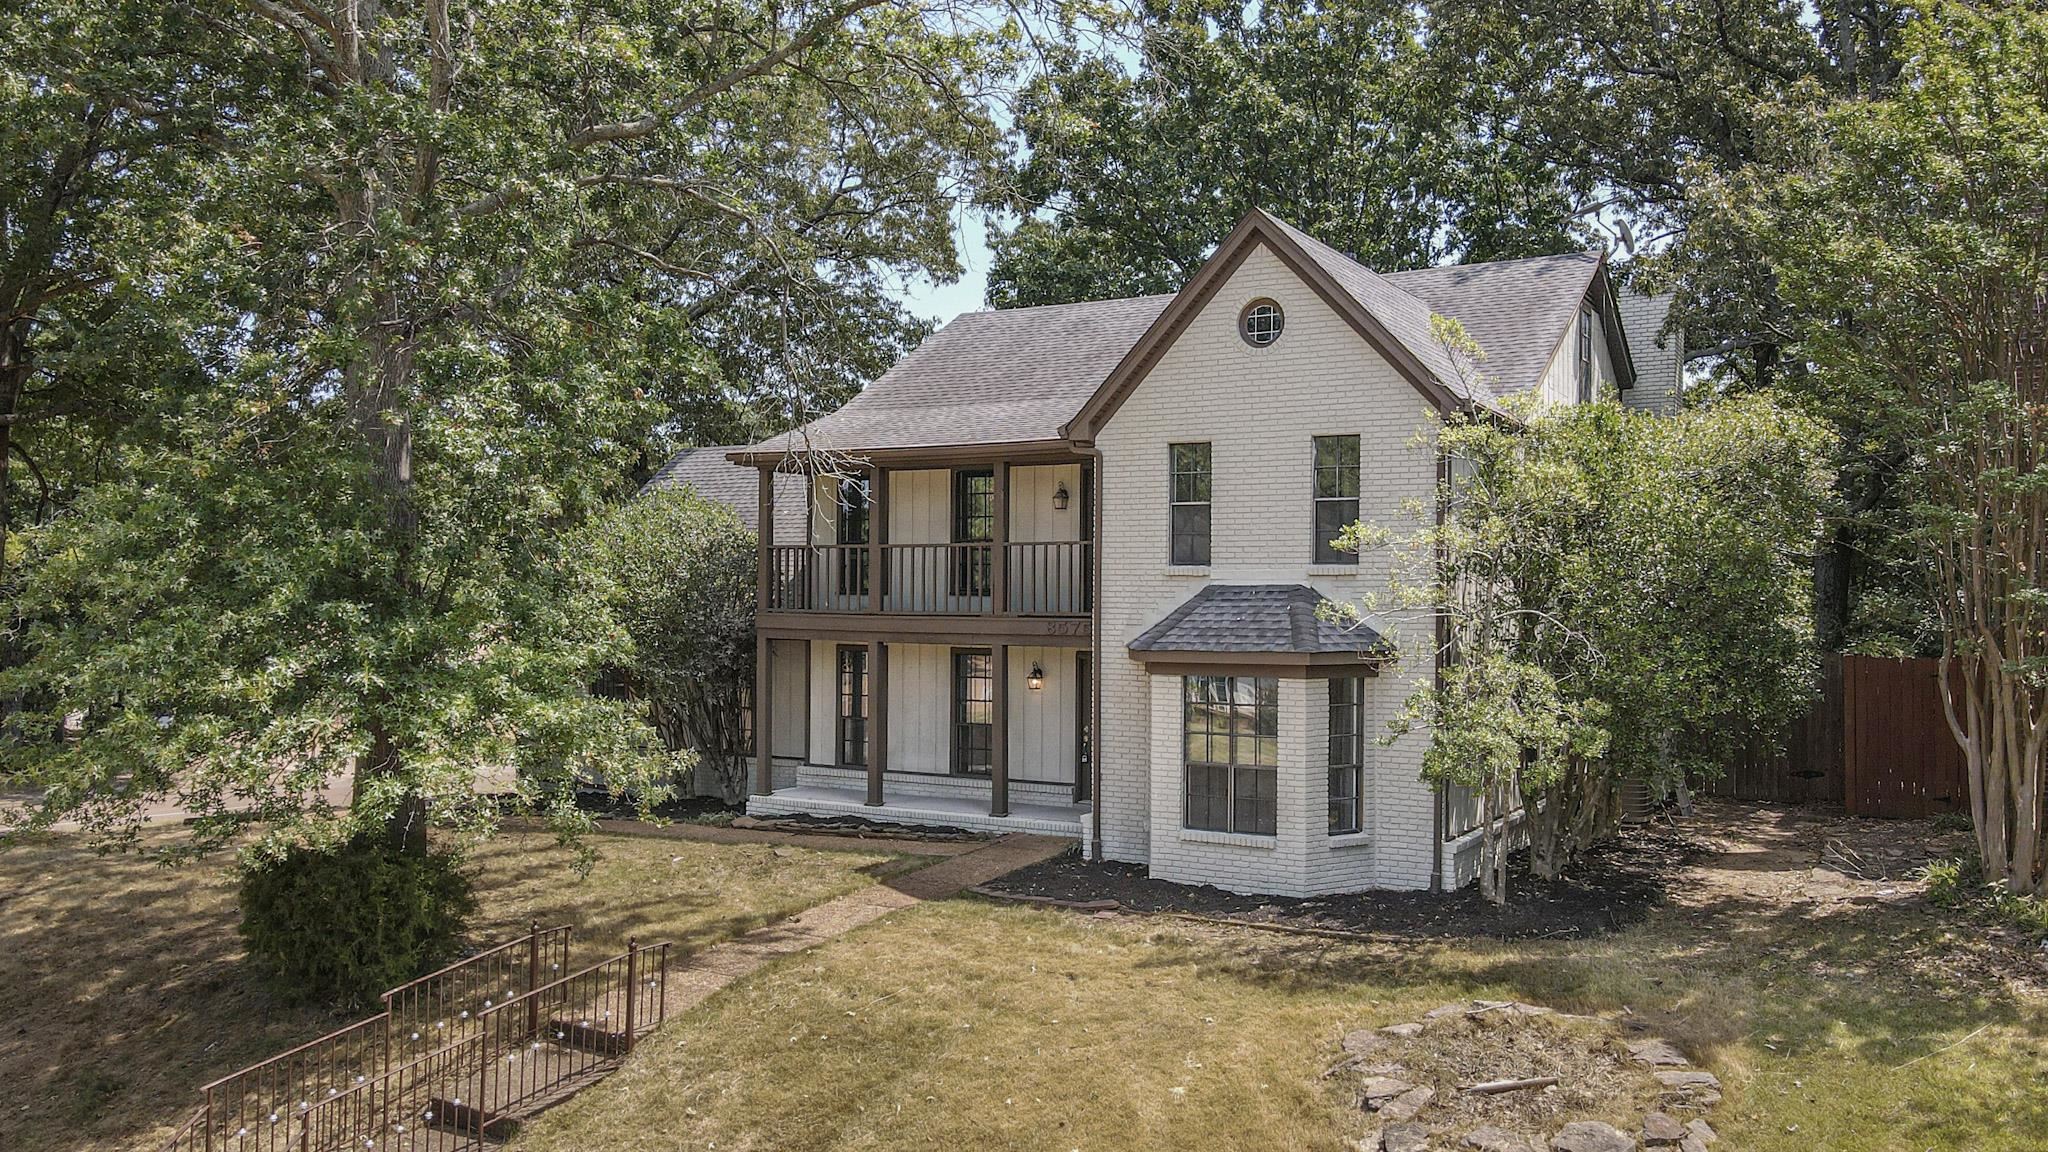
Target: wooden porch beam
<point>878,529</point>
<point>764,539</point>
<point>878,717</point>
<point>999,731</point>
<point>999,558</point>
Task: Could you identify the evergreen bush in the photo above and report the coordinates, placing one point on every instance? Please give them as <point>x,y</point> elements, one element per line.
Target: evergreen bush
<point>341,924</point>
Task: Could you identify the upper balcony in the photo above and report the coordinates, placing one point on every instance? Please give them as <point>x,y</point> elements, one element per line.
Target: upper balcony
<point>1000,540</point>
<point>1047,578</point>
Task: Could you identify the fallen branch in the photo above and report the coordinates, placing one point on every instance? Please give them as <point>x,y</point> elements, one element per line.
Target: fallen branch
<point>1492,1087</point>
<point>1940,1050</point>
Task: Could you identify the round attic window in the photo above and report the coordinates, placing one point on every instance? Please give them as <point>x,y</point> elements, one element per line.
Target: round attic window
<point>1260,323</point>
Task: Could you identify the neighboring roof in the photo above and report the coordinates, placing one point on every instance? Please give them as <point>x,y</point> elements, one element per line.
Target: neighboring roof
<point>1273,619</point>
<point>1010,376</point>
<point>1659,355</point>
<point>714,477</point>
<point>1515,310</point>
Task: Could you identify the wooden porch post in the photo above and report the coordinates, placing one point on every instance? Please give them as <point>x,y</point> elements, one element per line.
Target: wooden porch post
<point>878,719</point>
<point>999,731</point>
<point>764,727</point>
<point>878,528</point>
<point>999,551</point>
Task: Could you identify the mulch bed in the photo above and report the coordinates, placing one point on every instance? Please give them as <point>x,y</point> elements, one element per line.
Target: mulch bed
<point>1617,885</point>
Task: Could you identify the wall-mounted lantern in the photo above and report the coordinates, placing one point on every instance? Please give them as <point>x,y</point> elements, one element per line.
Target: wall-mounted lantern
<point>1060,497</point>
<point>1036,679</point>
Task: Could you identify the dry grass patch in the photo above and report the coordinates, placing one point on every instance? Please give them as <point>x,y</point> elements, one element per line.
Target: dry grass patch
<point>123,986</point>
<point>973,1025</point>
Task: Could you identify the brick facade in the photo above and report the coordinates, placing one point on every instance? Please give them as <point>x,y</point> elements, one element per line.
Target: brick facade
<point>1258,408</point>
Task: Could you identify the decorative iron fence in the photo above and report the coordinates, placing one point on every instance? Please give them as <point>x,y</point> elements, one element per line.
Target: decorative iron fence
<point>253,1110</point>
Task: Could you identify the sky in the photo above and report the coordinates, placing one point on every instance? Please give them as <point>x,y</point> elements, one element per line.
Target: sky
<point>942,302</point>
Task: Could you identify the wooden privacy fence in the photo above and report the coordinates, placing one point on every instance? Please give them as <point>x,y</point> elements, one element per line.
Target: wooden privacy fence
<point>1876,741</point>
<point>1899,759</point>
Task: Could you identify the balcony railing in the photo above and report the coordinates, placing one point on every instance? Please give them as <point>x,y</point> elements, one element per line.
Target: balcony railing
<point>1042,579</point>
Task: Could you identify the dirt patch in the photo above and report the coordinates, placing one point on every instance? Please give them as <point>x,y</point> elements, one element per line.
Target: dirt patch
<point>1594,1078</point>
<point>1617,885</point>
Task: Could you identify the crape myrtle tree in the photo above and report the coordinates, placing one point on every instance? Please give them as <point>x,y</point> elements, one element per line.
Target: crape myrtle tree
<point>449,269</point>
<point>679,573</point>
<point>1612,596</point>
<point>1911,245</point>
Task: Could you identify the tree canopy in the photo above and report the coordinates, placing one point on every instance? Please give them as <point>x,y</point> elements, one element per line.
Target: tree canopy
<point>1910,243</point>
<point>1614,596</point>
<point>444,279</point>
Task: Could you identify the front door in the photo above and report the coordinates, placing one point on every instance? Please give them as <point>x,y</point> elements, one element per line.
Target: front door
<point>973,711</point>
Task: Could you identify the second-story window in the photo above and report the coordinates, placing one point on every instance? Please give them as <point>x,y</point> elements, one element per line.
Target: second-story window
<point>1585,355</point>
<point>974,526</point>
<point>1190,503</point>
<point>1336,496</point>
<point>853,529</point>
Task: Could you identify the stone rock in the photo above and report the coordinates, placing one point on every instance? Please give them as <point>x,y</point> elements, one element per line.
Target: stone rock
<point>1660,1130</point>
<point>1492,1139</point>
<point>1692,1143</point>
<point>1408,1105</point>
<point>1703,1130</point>
<point>1689,1080</point>
<point>1405,1138</point>
<point>1403,1031</point>
<point>1656,1052</point>
<point>1380,1089</point>
<point>1362,1041</point>
<point>1592,1136</point>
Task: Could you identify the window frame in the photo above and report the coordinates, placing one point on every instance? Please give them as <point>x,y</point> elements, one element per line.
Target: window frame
<point>961,743</point>
<point>1586,320</point>
<point>1202,483</point>
<point>973,555</point>
<point>1249,796</point>
<point>1244,322</point>
<point>1346,504</point>
<point>851,688</point>
<point>1347,755</point>
<point>856,508</point>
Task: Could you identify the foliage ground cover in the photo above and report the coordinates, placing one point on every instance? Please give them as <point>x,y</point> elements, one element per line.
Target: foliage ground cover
<point>1837,1018</point>
<point>125,986</point>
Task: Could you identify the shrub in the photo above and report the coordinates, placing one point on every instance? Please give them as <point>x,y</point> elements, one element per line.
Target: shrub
<point>341,924</point>
<point>1951,882</point>
<point>1959,883</point>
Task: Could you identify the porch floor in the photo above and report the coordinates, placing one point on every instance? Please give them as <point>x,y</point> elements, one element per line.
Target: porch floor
<point>967,812</point>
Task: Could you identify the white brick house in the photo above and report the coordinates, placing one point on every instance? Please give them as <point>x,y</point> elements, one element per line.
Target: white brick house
<point>1114,518</point>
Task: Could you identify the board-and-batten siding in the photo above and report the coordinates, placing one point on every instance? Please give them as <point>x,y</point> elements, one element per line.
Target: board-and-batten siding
<point>921,505</point>
<point>1259,408</point>
<point>1042,735</point>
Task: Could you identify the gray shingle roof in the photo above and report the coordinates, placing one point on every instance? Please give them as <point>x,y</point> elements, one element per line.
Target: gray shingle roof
<point>1256,618</point>
<point>716,478</point>
<point>1405,317</point>
<point>1515,310</point>
<point>1009,376</point>
<point>1017,375</point>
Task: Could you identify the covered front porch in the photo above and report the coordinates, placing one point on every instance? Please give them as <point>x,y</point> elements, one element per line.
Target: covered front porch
<point>972,728</point>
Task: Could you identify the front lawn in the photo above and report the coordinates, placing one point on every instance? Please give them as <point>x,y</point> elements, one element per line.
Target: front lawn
<point>123,987</point>
<point>1827,1013</point>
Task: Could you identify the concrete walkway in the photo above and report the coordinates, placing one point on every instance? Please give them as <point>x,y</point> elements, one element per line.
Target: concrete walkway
<point>697,977</point>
